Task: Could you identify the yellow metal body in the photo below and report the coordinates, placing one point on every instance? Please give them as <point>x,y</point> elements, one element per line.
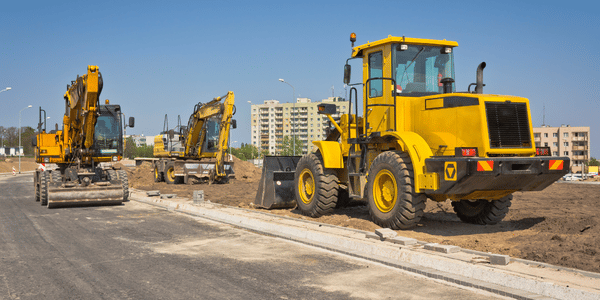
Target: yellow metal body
<point>420,126</point>
<point>195,138</point>
<point>79,121</point>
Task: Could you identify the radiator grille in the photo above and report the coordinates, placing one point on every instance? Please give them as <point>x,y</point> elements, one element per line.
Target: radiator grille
<point>508,125</point>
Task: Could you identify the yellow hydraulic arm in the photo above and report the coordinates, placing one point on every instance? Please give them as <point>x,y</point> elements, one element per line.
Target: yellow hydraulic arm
<point>220,106</point>
<point>82,109</point>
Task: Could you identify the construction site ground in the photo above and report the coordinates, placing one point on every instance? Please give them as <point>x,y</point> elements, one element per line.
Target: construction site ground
<point>559,225</point>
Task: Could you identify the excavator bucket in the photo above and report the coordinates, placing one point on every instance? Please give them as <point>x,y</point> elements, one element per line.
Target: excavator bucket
<point>276,189</point>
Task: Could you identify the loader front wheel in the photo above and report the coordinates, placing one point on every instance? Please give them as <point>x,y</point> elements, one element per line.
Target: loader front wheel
<point>482,212</point>
<point>170,174</point>
<point>391,195</point>
<point>316,187</point>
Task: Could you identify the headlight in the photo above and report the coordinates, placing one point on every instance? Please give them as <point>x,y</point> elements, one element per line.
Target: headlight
<point>114,158</point>
<point>46,159</point>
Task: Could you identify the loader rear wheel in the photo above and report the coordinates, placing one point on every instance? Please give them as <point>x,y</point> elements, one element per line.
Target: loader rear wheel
<point>112,175</point>
<point>125,183</point>
<point>391,195</point>
<point>44,188</point>
<point>170,174</point>
<point>316,187</point>
<point>158,176</point>
<point>482,212</point>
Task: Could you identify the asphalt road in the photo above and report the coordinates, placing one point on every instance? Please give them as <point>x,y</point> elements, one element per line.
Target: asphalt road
<point>136,251</point>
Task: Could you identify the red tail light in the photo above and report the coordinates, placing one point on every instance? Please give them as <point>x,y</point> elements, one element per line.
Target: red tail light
<point>465,152</point>
<point>542,151</point>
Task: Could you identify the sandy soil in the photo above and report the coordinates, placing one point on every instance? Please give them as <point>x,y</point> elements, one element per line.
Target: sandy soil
<point>560,225</point>
<point>27,164</point>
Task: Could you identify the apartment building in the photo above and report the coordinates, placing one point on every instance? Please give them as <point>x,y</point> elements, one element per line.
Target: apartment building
<point>272,121</point>
<point>565,140</point>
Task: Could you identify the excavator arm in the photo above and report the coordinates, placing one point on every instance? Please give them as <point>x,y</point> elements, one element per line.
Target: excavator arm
<point>221,107</point>
<point>81,112</point>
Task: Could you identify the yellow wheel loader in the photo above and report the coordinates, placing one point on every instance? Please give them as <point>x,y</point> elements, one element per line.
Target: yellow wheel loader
<point>199,150</point>
<point>90,141</point>
<point>418,138</point>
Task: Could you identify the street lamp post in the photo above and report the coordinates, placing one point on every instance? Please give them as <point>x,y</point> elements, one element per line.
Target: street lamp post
<point>293,123</point>
<point>20,154</point>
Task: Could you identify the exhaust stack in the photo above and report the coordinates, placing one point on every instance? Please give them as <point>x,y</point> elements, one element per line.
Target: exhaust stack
<point>479,85</point>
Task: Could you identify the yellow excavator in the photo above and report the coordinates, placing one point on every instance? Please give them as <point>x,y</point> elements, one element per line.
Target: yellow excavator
<point>90,141</point>
<point>199,149</point>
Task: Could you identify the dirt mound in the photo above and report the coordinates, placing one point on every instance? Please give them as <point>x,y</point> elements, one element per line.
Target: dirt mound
<point>27,164</point>
<point>245,170</point>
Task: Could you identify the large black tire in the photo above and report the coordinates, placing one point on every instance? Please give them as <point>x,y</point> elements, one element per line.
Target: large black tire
<point>170,173</point>
<point>125,183</point>
<point>158,176</point>
<point>316,187</point>
<point>482,212</point>
<point>56,177</point>
<point>391,195</point>
<point>112,174</point>
<point>44,188</point>
<point>36,185</point>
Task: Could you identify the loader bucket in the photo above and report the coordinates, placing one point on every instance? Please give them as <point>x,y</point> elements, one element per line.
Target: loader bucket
<point>276,187</point>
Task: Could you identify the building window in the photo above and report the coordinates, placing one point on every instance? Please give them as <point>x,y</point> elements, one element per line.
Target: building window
<point>566,153</point>
<point>566,144</point>
<point>555,144</point>
<point>545,135</point>
<point>566,134</point>
<point>537,135</point>
<point>545,144</point>
<point>555,153</point>
<point>555,134</point>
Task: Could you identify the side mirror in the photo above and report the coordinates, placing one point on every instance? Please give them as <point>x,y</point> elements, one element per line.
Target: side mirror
<point>347,71</point>
<point>233,124</point>
<point>131,121</point>
<point>34,141</point>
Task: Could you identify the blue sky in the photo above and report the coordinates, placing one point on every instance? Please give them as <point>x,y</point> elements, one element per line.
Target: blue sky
<point>162,57</point>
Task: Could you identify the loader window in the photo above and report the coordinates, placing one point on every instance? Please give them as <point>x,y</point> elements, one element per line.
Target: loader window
<point>375,70</point>
<point>421,68</point>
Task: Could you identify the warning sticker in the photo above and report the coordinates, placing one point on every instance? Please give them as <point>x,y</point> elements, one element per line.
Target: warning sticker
<point>450,171</point>
<point>556,165</point>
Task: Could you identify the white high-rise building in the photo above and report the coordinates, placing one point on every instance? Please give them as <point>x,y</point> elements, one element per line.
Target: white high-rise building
<point>272,121</point>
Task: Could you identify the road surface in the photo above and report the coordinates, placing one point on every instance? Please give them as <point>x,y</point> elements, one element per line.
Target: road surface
<point>136,251</point>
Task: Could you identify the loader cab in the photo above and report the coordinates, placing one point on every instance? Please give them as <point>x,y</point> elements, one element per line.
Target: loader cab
<point>396,69</point>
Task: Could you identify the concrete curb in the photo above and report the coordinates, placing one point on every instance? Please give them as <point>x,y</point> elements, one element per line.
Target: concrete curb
<point>458,267</point>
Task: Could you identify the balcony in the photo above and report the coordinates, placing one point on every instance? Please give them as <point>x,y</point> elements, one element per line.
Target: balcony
<point>579,138</point>
<point>579,157</point>
<point>579,148</point>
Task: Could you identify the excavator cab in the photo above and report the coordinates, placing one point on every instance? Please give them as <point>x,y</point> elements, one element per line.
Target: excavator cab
<point>108,137</point>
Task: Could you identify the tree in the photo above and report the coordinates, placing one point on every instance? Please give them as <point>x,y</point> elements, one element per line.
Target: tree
<point>287,147</point>
<point>245,152</point>
<point>593,162</point>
